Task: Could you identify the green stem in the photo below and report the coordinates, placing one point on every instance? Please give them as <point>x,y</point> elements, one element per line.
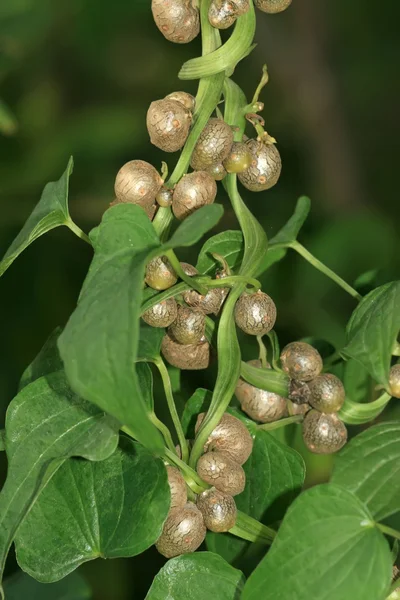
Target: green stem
<point>281,423</point>
<point>172,408</point>
<point>389,531</point>
<point>263,352</point>
<point>176,265</point>
<point>317,264</point>
<point>273,338</point>
<point>78,231</point>
<point>252,530</point>
<point>192,479</point>
<point>164,431</point>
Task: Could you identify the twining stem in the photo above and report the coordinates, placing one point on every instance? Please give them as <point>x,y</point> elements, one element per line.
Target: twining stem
<point>273,338</point>
<point>78,231</point>
<point>172,408</point>
<point>164,431</point>
<point>192,479</point>
<point>263,352</point>
<point>281,423</point>
<point>176,265</point>
<point>252,530</point>
<point>317,264</point>
<point>389,531</point>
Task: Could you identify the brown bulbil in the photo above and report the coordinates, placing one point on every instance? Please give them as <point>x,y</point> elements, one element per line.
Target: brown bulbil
<point>178,20</point>
<point>193,191</point>
<point>230,436</point>
<point>138,182</point>
<point>394,381</point>
<point>159,274</point>
<point>242,6</point>
<point>327,393</point>
<point>188,101</point>
<point>177,485</point>
<point>183,531</point>
<point>217,171</point>
<point>188,269</point>
<point>164,197</point>
<point>189,326</point>
<point>239,158</point>
<point>222,14</point>
<point>265,168</point>
<point>217,469</point>
<point>272,6</point>
<point>209,304</point>
<point>322,433</point>
<point>162,314</point>
<point>168,123</point>
<point>255,313</point>
<point>301,361</point>
<point>213,145</point>
<point>299,392</point>
<point>218,509</point>
<point>297,409</point>
<point>189,357</point>
<point>260,405</point>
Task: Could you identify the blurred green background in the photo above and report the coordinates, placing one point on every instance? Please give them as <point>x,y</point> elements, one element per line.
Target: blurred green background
<point>79,75</point>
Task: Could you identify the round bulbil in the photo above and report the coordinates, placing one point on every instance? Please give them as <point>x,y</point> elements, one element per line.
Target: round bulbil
<point>394,381</point>
<point>222,13</point>
<point>189,270</point>
<point>168,124</point>
<point>272,6</point>
<point>137,182</point>
<point>230,436</point>
<point>255,313</point>
<point>239,158</point>
<point>177,486</point>
<point>218,509</point>
<point>323,433</point>
<point>260,405</point>
<point>159,274</point>
<point>188,101</point>
<point>242,6</point>
<point>301,361</point>
<point>189,326</point>
<point>265,168</point>
<point>189,357</point>
<point>217,171</point>
<point>209,304</point>
<point>220,471</point>
<point>192,192</point>
<point>162,314</point>
<point>164,197</point>
<point>178,20</point>
<point>213,145</point>
<point>327,393</point>
<point>183,531</point>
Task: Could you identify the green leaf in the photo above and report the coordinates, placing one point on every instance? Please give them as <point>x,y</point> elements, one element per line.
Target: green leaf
<point>265,379</point>
<point>197,403</point>
<point>274,477</point>
<point>192,229</point>
<point>109,509</point>
<point>21,586</point>
<point>145,380</point>
<point>47,361</point>
<point>8,122</point>
<point>326,547</point>
<point>150,339</point>
<point>369,466</point>
<point>196,577</point>
<point>373,329</point>
<point>50,212</point>
<point>228,55</point>
<point>228,244</point>
<point>99,345</point>
<point>46,424</point>
<point>291,229</point>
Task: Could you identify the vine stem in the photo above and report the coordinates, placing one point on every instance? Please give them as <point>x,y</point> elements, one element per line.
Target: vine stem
<point>163,430</point>
<point>196,484</point>
<point>317,264</point>
<point>172,408</point>
<point>281,423</point>
<point>78,231</point>
<point>389,531</point>
<point>176,265</point>
<point>252,530</point>
<point>263,352</point>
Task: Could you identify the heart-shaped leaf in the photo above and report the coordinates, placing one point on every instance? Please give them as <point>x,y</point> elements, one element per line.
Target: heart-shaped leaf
<point>369,466</point>
<point>50,212</point>
<point>291,229</point>
<point>47,361</point>
<point>373,329</point>
<point>196,577</point>
<point>109,509</point>
<point>327,547</point>
<point>21,586</point>
<point>192,229</point>
<point>46,424</point>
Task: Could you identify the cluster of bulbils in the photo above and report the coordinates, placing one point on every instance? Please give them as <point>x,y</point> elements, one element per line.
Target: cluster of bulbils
<point>179,20</point>
<point>226,450</point>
